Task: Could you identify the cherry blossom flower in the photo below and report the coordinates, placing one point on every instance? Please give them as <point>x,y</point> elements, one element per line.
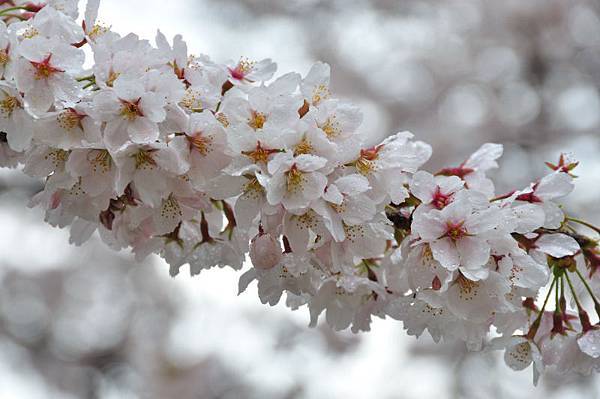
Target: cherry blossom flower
<point>473,170</point>
<point>296,181</point>
<point>520,353</point>
<point>549,188</point>
<point>46,71</point>
<point>315,86</point>
<point>345,204</point>
<point>246,71</point>
<point>204,146</point>
<point>15,122</point>
<point>204,163</point>
<point>456,234</point>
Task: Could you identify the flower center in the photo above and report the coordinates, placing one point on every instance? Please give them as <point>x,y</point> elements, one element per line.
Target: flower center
<point>97,31</point>
<point>43,69</point>
<point>242,69</point>
<point>130,110</point>
<point>331,127</point>
<point>341,208</point>
<point>364,166</point>
<point>69,119</point>
<point>221,117</point>
<point>191,100</point>
<point>201,143</point>
<point>112,76</point>
<point>8,105</point>
<point>170,208</point>
<point>468,289</point>
<point>30,33</point>
<point>143,159</point>
<point>366,163</point>
<point>455,230</point>
<point>295,179</point>
<point>100,160</point>
<point>440,200</point>
<point>260,154</point>
<point>57,157</point>
<point>4,58</point>
<point>427,256</point>
<point>320,93</point>
<point>303,147</point>
<point>253,189</point>
<point>521,352</point>
<point>257,120</point>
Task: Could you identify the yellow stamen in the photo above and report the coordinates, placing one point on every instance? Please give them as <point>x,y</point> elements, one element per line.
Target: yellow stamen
<point>144,160</point>
<point>8,105</point>
<point>69,119</point>
<point>331,127</point>
<point>111,78</point>
<point>4,58</point>
<point>201,143</point>
<point>100,161</point>
<point>303,147</point>
<point>295,179</point>
<point>320,93</point>
<point>30,33</point>
<point>257,120</point>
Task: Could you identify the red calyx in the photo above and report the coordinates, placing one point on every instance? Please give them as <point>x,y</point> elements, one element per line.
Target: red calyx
<point>440,200</point>
<point>370,154</point>
<point>460,171</point>
<point>237,73</point>
<point>31,7</point>
<point>44,69</point>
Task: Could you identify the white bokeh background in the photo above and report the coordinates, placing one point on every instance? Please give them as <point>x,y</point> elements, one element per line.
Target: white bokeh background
<point>84,322</point>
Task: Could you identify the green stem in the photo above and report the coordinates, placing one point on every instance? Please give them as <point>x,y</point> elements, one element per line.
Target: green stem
<point>90,77</point>
<point>556,299</point>
<point>536,323</point>
<point>584,223</point>
<point>89,85</point>
<point>589,290</point>
<point>573,292</point>
<point>11,9</point>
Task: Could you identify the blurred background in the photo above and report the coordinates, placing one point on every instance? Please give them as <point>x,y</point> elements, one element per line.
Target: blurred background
<point>88,323</point>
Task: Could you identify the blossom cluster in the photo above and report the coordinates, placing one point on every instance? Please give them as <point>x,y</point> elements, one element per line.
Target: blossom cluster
<point>205,164</point>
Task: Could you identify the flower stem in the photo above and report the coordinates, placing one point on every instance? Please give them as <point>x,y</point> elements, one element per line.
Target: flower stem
<point>583,223</point>
<point>11,9</point>
<point>89,77</point>
<point>589,290</point>
<point>556,299</point>
<point>573,292</point>
<point>536,323</point>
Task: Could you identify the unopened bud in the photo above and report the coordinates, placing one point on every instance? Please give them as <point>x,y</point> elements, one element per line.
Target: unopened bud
<point>265,251</point>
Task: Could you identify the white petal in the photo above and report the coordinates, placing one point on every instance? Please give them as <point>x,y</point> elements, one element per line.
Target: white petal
<point>474,252</point>
<point>529,217</point>
<point>557,245</point>
<point>589,343</point>
<point>483,221</point>
<point>423,186</point>
<point>444,251</point>
<point>554,185</point>
<point>518,356</point>
<point>485,157</point>
<point>430,225</point>
<point>352,184</point>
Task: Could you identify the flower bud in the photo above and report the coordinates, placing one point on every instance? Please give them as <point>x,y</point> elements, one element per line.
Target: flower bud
<point>265,251</point>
